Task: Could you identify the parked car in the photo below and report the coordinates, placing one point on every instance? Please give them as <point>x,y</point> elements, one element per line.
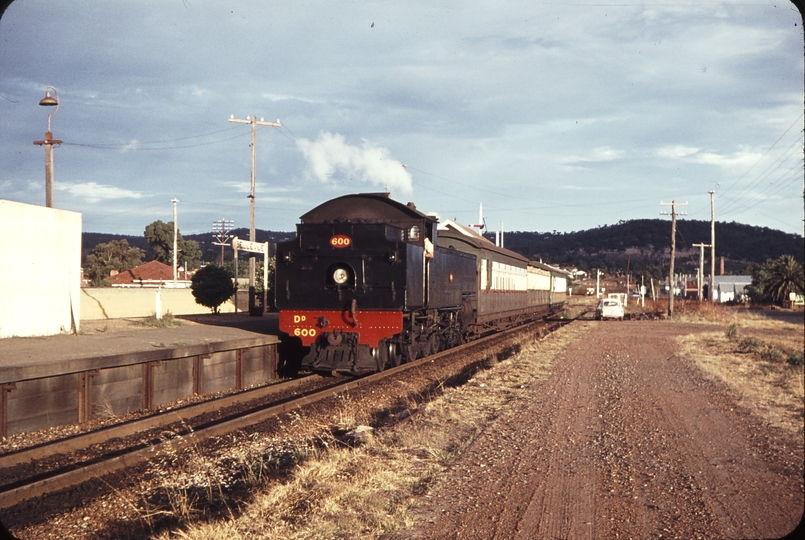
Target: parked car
<point>609,308</point>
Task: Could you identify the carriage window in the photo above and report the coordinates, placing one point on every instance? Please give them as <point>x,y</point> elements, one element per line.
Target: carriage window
<point>413,233</point>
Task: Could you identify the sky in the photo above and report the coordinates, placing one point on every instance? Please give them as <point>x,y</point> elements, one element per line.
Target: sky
<point>555,116</point>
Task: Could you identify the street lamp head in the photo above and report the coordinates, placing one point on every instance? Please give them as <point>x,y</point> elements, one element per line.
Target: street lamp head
<point>48,101</point>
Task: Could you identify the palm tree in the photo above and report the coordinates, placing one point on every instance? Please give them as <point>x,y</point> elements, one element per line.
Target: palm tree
<point>782,277</point>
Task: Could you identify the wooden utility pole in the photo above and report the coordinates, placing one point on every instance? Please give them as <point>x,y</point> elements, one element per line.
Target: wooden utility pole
<point>672,204</point>
<point>254,122</point>
<point>712,288</point>
<point>175,236</point>
<point>700,274</point>
<point>597,283</point>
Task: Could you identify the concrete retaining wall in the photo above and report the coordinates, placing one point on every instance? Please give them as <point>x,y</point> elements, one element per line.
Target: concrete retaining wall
<point>113,303</point>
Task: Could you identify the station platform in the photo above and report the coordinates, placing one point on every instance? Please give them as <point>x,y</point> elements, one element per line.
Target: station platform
<point>110,342</point>
<point>116,366</point>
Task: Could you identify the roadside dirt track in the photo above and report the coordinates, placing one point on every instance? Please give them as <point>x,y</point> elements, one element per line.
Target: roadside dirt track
<point>625,439</point>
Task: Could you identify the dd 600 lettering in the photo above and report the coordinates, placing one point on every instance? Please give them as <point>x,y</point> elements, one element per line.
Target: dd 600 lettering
<point>340,241</point>
<point>304,332</point>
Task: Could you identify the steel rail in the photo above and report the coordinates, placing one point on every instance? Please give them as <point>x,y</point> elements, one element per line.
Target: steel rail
<point>12,494</point>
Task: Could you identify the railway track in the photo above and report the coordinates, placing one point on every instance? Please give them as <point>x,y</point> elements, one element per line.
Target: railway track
<point>144,435</point>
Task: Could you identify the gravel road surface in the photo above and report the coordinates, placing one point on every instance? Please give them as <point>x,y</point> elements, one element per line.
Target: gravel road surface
<point>625,439</point>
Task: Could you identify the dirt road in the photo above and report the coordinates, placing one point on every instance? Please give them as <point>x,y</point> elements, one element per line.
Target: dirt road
<point>625,439</point>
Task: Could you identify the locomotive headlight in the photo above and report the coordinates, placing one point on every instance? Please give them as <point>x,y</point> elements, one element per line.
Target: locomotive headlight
<point>340,276</point>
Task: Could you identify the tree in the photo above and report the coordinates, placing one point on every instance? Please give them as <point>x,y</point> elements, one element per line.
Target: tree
<point>212,286</point>
<point>159,236</point>
<point>775,280</point>
<point>115,255</point>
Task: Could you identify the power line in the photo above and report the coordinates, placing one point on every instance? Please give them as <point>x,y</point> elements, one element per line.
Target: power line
<point>773,166</point>
<point>118,145</point>
<point>766,152</point>
<point>136,145</point>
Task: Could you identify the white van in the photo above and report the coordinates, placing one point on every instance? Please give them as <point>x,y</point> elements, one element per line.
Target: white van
<point>609,308</point>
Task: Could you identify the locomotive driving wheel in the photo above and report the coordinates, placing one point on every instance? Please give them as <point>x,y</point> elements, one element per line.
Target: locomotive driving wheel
<point>387,354</point>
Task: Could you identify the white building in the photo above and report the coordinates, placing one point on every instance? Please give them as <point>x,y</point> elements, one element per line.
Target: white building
<point>731,288</point>
<point>40,270</point>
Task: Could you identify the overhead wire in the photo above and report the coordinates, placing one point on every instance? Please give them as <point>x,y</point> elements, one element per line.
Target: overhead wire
<point>116,146</point>
<point>770,169</point>
<point>735,201</point>
<point>766,152</point>
<point>136,145</point>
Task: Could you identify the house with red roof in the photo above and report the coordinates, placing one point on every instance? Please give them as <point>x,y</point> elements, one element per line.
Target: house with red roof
<point>151,275</point>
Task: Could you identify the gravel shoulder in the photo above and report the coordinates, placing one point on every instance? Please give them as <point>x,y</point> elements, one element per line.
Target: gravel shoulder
<point>626,438</point>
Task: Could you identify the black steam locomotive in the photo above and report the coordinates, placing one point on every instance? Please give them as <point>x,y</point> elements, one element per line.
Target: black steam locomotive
<point>369,282</point>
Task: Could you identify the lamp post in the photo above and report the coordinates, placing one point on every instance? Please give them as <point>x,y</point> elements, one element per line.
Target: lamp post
<point>49,141</point>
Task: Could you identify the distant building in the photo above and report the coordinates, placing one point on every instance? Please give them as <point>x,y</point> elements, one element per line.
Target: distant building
<point>576,274</point>
<point>150,275</point>
<point>731,288</point>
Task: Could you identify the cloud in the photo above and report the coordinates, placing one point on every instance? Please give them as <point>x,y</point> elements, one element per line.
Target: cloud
<point>94,192</point>
<point>330,154</point>
<point>246,187</point>
<point>742,158</point>
<point>675,152</point>
<point>597,155</point>
<point>736,159</point>
<point>133,145</point>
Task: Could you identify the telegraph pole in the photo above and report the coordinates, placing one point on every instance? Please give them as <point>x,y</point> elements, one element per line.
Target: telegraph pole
<point>672,204</point>
<point>254,123</point>
<point>712,287</point>
<point>220,232</point>
<point>700,275</point>
<point>175,234</point>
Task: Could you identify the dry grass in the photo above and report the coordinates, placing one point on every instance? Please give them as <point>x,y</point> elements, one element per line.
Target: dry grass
<point>342,491</point>
<point>761,360</point>
<point>166,321</point>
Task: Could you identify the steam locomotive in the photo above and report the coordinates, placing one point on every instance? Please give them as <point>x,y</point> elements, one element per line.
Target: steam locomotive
<point>370,283</point>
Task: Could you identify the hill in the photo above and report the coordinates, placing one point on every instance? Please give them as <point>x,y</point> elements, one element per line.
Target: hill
<point>643,244</point>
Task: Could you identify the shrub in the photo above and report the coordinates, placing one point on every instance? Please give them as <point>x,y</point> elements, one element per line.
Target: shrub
<point>748,345</point>
<point>795,358</point>
<point>770,354</point>
<point>732,331</point>
<point>212,286</point>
